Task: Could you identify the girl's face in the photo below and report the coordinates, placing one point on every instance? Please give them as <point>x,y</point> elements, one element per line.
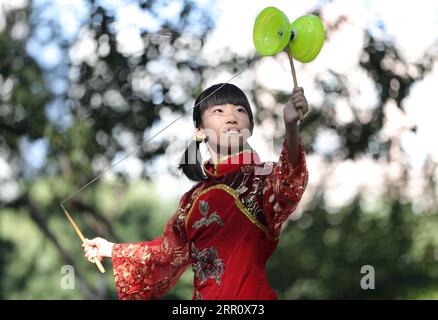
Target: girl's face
<point>226,126</point>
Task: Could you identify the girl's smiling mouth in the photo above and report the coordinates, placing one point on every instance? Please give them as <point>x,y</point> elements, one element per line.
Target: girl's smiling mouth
<point>231,131</point>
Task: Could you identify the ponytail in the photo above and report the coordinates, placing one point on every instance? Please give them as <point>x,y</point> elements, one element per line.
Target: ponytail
<point>190,164</point>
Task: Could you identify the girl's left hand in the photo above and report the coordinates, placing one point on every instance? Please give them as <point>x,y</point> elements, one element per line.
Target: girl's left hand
<point>97,248</point>
<point>296,101</point>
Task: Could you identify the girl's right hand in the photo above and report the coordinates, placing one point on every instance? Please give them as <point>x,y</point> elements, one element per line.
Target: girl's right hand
<point>97,247</point>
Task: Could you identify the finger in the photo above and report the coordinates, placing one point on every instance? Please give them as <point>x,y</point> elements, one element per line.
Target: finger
<point>299,100</point>
<point>300,104</point>
<point>94,242</point>
<point>91,242</point>
<point>298,95</point>
<point>90,254</point>
<point>305,109</point>
<point>302,110</point>
<point>91,251</point>
<point>296,89</point>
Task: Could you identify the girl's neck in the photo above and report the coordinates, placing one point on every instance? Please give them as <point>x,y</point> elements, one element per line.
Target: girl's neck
<point>216,155</point>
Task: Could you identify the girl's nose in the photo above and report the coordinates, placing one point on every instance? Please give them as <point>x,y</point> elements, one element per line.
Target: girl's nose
<point>231,118</point>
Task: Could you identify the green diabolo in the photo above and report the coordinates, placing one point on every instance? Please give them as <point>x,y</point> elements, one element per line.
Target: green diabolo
<point>273,33</point>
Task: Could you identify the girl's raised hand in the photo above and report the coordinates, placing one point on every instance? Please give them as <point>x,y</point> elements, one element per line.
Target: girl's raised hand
<point>296,101</point>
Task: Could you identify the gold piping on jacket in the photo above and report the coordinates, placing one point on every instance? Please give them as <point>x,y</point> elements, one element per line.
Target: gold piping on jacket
<point>239,204</point>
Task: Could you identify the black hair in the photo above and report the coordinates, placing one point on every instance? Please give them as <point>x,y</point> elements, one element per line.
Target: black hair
<point>218,94</point>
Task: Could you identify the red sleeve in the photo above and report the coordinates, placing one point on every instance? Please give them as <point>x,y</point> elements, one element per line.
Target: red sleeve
<point>283,189</point>
<point>148,270</point>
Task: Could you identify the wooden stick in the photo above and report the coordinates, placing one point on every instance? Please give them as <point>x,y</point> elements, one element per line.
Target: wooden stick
<point>81,236</point>
<point>294,76</point>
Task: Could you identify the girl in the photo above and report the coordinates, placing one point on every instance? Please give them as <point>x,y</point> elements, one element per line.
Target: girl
<point>228,224</point>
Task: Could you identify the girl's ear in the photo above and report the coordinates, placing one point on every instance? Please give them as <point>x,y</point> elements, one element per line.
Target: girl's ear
<point>200,134</point>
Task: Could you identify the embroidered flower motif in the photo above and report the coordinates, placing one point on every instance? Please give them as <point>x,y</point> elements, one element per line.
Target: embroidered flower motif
<point>178,225</point>
<point>206,221</point>
<point>250,200</point>
<point>241,189</point>
<point>208,264</point>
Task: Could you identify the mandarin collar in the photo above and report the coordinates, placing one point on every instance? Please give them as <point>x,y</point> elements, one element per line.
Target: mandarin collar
<point>231,163</point>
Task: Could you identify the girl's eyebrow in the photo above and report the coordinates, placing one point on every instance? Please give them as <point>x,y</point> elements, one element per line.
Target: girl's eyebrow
<point>213,107</point>
<point>221,106</point>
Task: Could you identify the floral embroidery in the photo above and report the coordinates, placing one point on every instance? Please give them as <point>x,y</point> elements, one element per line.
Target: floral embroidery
<point>250,200</point>
<point>179,258</point>
<point>208,264</point>
<point>242,188</point>
<point>283,189</point>
<point>178,225</point>
<point>148,270</point>
<point>204,221</point>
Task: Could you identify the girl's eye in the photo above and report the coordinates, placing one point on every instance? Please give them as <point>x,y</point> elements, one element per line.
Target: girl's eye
<point>241,110</point>
<point>217,110</point>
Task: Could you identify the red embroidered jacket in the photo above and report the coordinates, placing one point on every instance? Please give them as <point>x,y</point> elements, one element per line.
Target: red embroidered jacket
<point>226,227</point>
